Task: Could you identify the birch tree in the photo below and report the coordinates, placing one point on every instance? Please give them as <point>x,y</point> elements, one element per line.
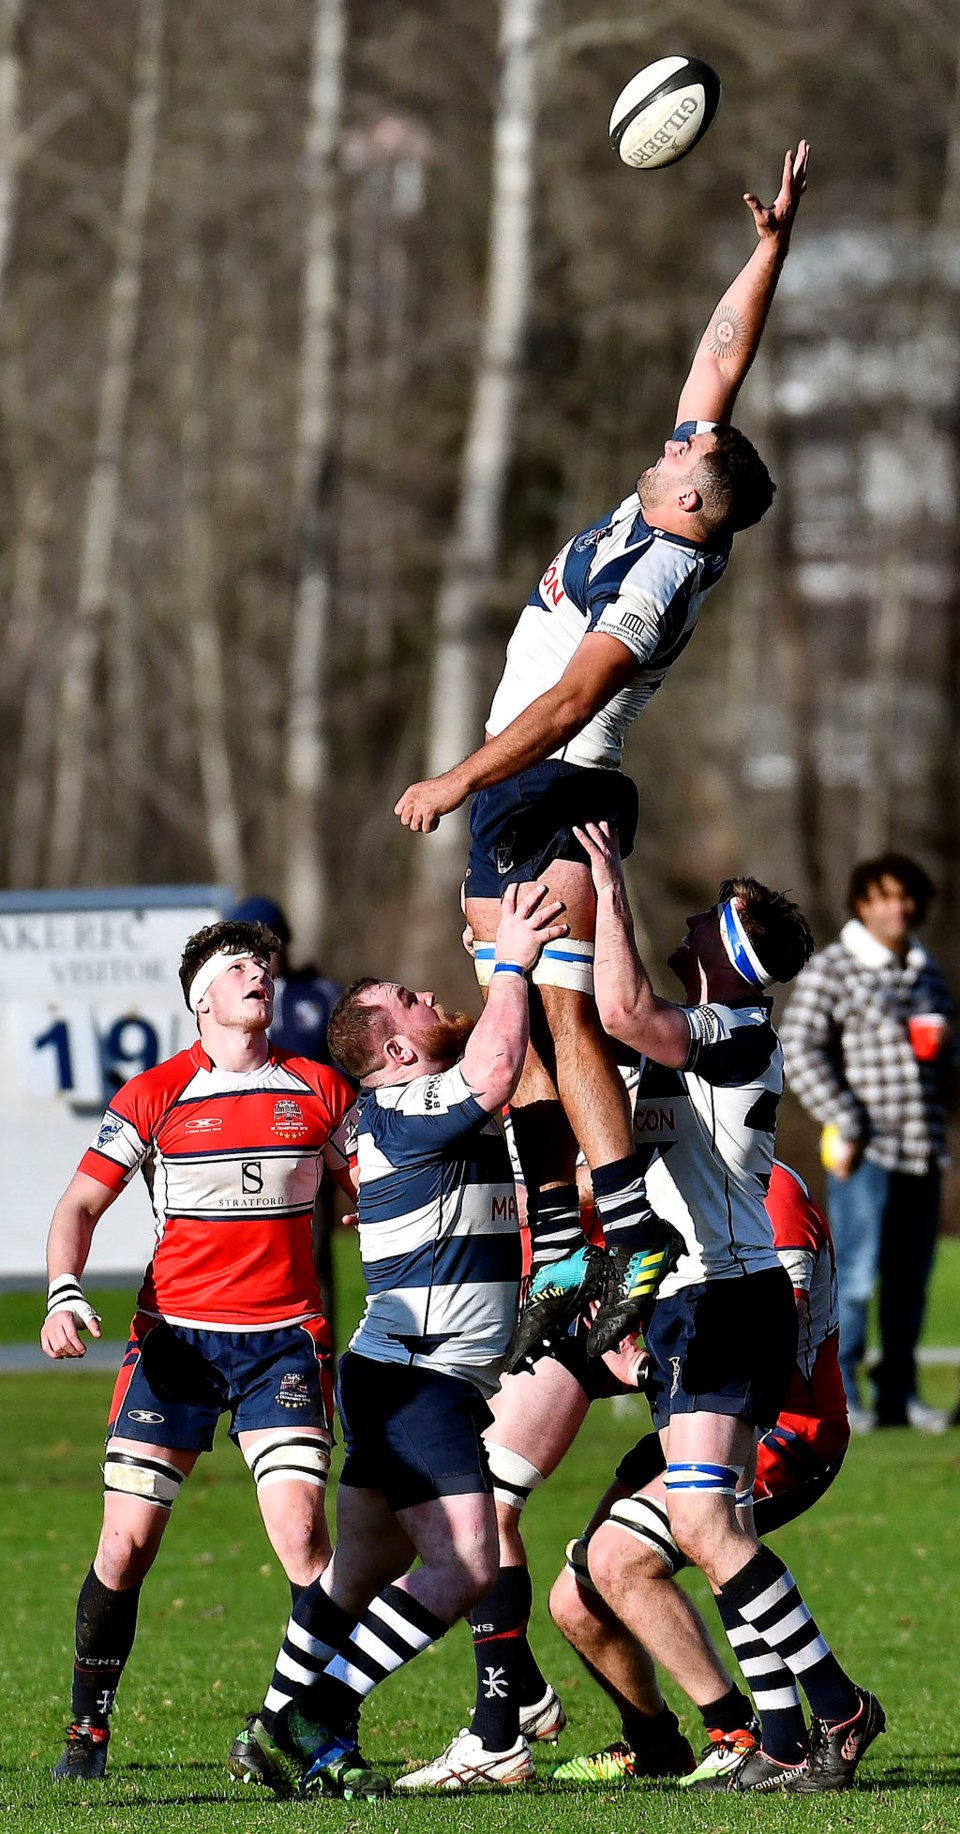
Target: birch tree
<point>102,516</point>
<point>307,752</point>
<point>453,710</point>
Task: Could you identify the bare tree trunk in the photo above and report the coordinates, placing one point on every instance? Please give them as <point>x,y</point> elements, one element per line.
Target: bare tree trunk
<point>199,578</point>
<point>33,676</point>
<point>75,723</point>
<point>453,711</point>
<point>307,763</point>
<point>10,70</point>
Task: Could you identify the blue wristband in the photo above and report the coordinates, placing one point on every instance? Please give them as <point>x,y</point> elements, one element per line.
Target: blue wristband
<point>509,968</point>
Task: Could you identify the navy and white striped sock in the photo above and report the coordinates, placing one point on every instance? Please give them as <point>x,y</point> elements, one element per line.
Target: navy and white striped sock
<point>394,1628</point>
<point>317,1630</point>
<point>767,1598</point>
<point>620,1195</point>
<point>775,1693</point>
<point>554,1223</point>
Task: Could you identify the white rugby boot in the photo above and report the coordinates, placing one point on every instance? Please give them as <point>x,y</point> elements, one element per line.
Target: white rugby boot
<point>467,1764</point>
<point>545,1719</point>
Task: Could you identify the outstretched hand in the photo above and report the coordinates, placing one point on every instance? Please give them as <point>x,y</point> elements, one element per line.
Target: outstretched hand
<point>527,924</point>
<point>776,219</point>
<point>602,847</point>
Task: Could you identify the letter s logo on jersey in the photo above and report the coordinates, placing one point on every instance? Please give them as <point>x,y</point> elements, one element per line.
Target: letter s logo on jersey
<point>251,1177</point>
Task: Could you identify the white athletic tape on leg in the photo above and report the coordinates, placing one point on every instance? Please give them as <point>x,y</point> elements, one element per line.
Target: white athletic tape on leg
<point>647,1520</point>
<point>153,1480</point>
<point>693,1475</point>
<point>514,1477</point>
<point>286,1455</point>
<point>578,1563</point>
<point>567,963</point>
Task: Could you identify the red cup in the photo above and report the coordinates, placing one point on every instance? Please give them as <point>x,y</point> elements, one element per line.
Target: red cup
<point>928,1035</point>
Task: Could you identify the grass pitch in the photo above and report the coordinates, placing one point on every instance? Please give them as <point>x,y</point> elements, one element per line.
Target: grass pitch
<point>877,1561</point>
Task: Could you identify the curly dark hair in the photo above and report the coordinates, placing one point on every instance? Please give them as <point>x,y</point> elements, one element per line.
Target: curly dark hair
<point>868,873</point>
<point>776,926</point>
<point>247,938</point>
<point>734,482</point>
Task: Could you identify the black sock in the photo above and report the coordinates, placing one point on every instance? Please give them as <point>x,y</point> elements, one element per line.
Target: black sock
<point>728,1714</point>
<point>296,1593</point>
<point>645,1732</point>
<point>394,1628</point>
<point>499,1626</point>
<point>554,1223</point>
<point>768,1600</point>
<point>317,1629</point>
<point>775,1694</point>
<point>106,1627</point>
<point>620,1195</point>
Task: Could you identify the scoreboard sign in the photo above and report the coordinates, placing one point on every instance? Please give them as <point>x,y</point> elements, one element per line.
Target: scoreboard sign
<point>89,996</point>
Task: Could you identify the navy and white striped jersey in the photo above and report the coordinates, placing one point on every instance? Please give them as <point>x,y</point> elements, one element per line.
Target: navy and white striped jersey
<point>624,579</point>
<point>710,1131</point>
<point>439,1233</point>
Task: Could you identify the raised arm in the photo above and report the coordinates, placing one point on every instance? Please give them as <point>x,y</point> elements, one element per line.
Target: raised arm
<point>68,1245</point>
<point>599,668</point>
<point>731,340</point>
<point>494,1056</point>
<point>629,1009</point>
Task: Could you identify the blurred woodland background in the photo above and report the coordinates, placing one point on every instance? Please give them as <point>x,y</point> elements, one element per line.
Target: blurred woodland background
<point>325,322</point>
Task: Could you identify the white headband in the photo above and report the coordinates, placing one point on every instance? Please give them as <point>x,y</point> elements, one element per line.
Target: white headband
<point>211,968</point>
<point>738,947</point>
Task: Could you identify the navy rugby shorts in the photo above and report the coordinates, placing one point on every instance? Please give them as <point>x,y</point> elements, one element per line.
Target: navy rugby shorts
<point>519,827</point>
<point>412,1433</point>
<point>724,1347</point>
<point>175,1382</point>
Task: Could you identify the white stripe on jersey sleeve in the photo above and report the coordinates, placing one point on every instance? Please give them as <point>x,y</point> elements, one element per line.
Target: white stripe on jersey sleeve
<point>118,1140</point>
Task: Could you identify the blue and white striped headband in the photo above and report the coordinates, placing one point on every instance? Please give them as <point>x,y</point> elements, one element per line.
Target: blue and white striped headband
<point>739,948</point>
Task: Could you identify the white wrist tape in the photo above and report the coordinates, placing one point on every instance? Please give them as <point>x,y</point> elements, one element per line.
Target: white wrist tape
<point>65,1294</point>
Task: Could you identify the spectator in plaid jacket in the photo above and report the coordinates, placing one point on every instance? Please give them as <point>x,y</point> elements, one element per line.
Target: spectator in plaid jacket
<point>849,1058</point>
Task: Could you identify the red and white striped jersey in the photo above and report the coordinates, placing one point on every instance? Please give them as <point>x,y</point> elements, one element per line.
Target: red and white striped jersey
<point>232,1161</point>
<point>804,1246</point>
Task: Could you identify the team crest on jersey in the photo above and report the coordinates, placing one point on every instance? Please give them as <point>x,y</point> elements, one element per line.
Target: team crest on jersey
<point>589,539</point>
<point>109,1129</point>
<point>293,1391</point>
<point>288,1118</point>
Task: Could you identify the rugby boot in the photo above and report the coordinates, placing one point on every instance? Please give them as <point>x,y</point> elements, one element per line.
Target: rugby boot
<point>84,1758</point>
<point>545,1719</point>
<point>618,1763</point>
<point>467,1764</point>
<point>558,1293</point>
<point>724,1754</point>
<point>633,1276</point>
<point>334,1763</point>
<point>258,1756</point>
<point>836,1750</point>
<point>761,1774</point>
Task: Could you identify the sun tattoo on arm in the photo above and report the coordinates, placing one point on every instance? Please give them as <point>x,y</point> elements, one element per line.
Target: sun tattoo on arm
<point>725,333</point>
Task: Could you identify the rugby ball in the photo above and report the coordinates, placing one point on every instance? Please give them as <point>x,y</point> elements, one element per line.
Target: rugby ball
<point>663,111</point>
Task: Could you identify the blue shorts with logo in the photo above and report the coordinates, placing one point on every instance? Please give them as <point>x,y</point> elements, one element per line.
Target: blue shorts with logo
<point>175,1381</point>
<point>723,1347</point>
<point>414,1434</point>
<point>519,827</point>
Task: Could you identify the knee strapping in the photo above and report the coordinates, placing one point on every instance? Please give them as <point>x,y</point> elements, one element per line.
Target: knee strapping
<point>285,1455</point>
<point>154,1480</point>
<point>578,1563</point>
<point>514,1477</point>
<point>692,1475</point>
<point>566,963</point>
<point>647,1521</point>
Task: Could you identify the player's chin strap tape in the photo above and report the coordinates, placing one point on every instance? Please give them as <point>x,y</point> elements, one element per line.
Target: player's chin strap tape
<point>153,1480</point>
<point>65,1294</point>
<point>565,963</point>
<point>286,1455</point>
<point>647,1520</point>
<point>514,1478</point>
